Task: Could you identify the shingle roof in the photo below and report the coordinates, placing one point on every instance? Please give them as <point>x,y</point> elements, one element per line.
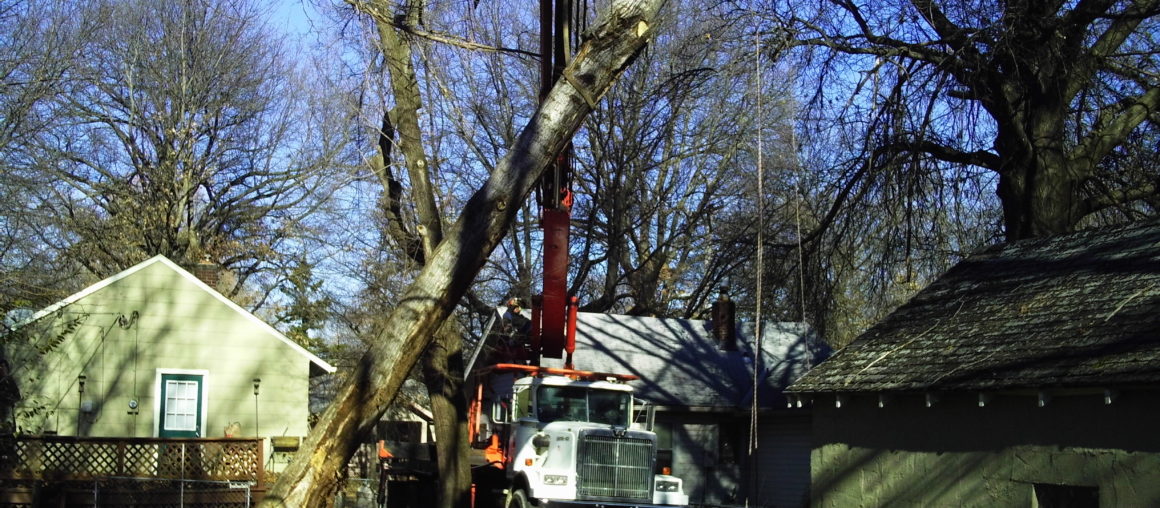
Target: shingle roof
<point>680,364</point>
<point>1080,310</point>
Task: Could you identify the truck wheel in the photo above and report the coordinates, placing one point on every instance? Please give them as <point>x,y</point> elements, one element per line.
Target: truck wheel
<point>518,499</point>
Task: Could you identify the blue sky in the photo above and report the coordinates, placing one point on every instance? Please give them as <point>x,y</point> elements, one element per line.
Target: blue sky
<point>294,16</point>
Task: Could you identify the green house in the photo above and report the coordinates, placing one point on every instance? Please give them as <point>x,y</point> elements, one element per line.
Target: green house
<point>156,352</point>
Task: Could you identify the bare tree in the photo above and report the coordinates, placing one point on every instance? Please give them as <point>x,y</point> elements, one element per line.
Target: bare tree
<point>656,165</point>
<point>666,158</point>
<point>1043,95</point>
<point>400,135</point>
<point>186,135</point>
<point>610,46</point>
<point>38,43</point>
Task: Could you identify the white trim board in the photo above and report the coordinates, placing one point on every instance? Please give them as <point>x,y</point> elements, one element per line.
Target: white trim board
<point>205,386</point>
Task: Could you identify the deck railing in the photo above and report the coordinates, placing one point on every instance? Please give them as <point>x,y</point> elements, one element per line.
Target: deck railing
<point>66,458</point>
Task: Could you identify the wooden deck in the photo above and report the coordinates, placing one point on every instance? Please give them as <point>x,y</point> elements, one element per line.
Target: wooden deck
<point>34,469</point>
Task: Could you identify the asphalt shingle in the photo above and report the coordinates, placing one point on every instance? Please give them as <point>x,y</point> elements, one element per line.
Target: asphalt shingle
<point>1076,310</point>
<point>680,364</point>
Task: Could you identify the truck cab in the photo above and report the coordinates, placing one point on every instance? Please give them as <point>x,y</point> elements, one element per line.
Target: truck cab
<point>570,440</point>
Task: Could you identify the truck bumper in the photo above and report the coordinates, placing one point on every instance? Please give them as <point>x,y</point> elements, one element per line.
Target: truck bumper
<point>548,503</point>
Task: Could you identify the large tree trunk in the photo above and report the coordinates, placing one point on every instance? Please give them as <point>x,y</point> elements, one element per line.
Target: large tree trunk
<point>443,374</point>
<point>1039,190</point>
<point>1040,200</point>
<point>442,360</point>
<point>1038,184</point>
<point>313,476</point>
<point>1030,90</point>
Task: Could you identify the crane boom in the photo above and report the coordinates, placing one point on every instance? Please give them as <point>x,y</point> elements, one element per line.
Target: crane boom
<point>553,323</point>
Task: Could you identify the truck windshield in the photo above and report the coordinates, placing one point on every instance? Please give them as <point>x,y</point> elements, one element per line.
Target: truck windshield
<point>567,403</point>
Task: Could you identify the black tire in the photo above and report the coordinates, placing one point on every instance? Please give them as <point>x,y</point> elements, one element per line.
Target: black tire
<point>518,499</point>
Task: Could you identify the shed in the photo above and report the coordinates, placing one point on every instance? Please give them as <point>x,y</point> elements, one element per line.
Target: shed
<point>1027,375</point>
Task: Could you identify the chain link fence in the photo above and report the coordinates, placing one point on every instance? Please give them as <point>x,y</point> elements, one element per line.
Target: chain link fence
<point>127,491</point>
<point>130,492</point>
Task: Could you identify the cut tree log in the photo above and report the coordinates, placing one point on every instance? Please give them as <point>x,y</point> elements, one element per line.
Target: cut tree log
<point>313,477</point>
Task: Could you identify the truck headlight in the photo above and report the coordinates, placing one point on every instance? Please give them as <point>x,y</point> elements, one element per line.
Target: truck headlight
<point>555,479</point>
<point>668,486</point>
<point>541,440</point>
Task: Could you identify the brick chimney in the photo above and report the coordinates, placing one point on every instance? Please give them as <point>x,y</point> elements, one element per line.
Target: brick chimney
<point>208,271</point>
<point>724,325</point>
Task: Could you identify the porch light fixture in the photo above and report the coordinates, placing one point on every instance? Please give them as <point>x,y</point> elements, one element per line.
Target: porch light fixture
<point>257,383</point>
<point>83,406</point>
<point>1110,395</point>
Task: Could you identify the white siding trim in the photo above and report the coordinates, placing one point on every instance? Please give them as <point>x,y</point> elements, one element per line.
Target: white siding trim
<point>86,292</point>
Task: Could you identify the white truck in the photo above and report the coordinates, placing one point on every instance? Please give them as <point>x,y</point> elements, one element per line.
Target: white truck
<point>563,437</point>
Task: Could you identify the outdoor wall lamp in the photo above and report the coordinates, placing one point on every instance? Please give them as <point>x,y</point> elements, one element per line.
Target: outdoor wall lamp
<point>83,406</point>
<point>257,429</point>
<point>86,406</point>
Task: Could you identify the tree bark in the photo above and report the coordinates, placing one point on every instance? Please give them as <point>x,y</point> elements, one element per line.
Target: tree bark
<point>443,375</point>
<point>442,360</point>
<point>442,371</point>
<point>314,475</point>
<point>405,87</point>
<point>1041,195</point>
<point>1038,186</point>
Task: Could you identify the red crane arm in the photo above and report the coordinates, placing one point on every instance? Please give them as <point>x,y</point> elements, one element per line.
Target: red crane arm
<point>554,322</point>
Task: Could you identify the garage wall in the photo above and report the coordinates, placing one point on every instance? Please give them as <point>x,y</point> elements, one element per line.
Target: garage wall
<point>1007,453</point>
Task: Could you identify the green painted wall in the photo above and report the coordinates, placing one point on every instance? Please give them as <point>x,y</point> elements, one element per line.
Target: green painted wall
<point>956,453</point>
<point>178,326</point>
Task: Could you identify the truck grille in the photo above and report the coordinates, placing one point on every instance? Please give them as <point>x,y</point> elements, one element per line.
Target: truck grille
<point>611,467</point>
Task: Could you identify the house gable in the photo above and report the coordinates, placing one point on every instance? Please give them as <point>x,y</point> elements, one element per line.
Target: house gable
<point>148,283</point>
<point>99,355</point>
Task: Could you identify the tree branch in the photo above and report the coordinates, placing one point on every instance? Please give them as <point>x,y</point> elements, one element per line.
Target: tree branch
<point>384,19</point>
<point>1122,26</point>
<point>405,87</point>
<point>1116,197</point>
<point>460,42</point>
<point>1102,140</point>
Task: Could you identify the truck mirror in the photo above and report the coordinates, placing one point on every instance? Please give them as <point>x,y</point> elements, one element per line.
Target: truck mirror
<point>650,418</point>
<point>482,435</point>
<point>499,412</point>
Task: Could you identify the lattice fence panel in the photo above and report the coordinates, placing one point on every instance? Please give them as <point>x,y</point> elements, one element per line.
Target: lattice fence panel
<point>171,461</point>
<point>78,460</point>
<point>138,459</point>
<point>223,459</point>
<point>87,458</point>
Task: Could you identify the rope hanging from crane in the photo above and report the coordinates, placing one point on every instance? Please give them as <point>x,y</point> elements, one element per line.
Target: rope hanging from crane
<point>757,360</point>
